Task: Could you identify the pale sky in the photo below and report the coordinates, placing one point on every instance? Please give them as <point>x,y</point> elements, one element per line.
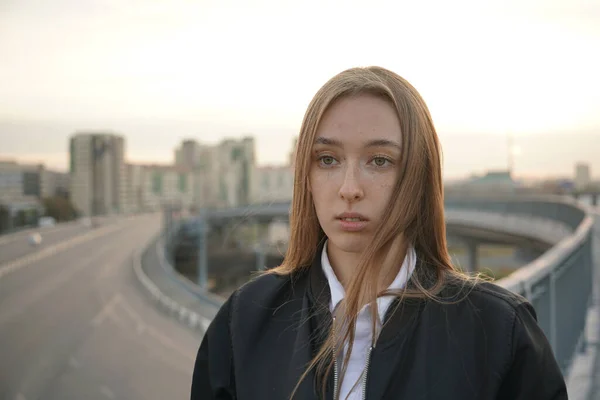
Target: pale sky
<point>207,69</point>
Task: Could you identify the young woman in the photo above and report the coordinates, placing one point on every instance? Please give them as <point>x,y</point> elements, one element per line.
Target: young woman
<point>367,304</point>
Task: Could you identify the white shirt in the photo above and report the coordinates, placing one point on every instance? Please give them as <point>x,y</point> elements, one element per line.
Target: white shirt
<point>363,334</point>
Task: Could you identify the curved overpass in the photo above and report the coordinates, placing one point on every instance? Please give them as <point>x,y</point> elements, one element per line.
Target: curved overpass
<point>558,283</point>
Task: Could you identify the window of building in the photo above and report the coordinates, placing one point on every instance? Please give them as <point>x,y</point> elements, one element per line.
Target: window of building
<point>31,184</point>
<point>236,154</point>
<point>182,183</point>
<point>157,183</point>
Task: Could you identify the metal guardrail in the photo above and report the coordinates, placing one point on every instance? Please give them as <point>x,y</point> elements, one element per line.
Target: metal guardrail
<point>558,283</point>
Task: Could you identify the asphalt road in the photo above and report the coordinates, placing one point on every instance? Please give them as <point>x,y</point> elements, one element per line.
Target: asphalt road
<point>16,245</point>
<point>74,323</point>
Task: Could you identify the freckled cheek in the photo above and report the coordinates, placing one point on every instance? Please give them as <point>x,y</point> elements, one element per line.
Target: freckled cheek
<point>380,181</point>
<point>323,184</point>
<point>327,176</point>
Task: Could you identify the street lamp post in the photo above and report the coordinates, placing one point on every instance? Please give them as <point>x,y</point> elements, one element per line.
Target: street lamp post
<point>203,229</point>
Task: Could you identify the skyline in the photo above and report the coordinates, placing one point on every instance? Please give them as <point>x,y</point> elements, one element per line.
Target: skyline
<point>537,156</point>
<point>207,70</point>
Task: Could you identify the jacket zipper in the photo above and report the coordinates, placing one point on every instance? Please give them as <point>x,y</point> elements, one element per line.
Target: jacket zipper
<point>336,373</point>
<point>364,383</point>
<point>367,364</point>
<point>335,366</point>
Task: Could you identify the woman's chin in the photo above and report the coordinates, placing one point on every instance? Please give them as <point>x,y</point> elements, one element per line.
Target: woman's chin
<point>348,243</point>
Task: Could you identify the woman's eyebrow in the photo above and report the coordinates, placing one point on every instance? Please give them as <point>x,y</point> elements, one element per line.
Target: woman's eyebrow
<point>371,143</point>
<point>383,143</point>
<point>328,141</point>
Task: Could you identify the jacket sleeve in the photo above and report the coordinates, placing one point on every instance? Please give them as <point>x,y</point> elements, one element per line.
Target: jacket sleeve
<point>213,377</point>
<point>534,373</point>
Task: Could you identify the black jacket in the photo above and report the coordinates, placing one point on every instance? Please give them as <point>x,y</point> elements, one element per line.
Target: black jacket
<point>487,346</point>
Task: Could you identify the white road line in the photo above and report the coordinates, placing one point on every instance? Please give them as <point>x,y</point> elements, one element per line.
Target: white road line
<point>20,396</point>
<point>73,363</point>
<point>107,392</point>
<point>97,320</point>
<point>51,284</point>
<point>24,261</point>
<point>164,340</point>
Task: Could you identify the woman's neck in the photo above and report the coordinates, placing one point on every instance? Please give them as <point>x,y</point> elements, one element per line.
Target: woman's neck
<point>345,263</point>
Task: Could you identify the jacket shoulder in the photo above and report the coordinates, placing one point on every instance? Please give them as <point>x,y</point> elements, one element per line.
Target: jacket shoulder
<point>266,295</point>
<point>267,288</point>
<point>485,295</point>
<point>488,306</point>
<point>499,299</point>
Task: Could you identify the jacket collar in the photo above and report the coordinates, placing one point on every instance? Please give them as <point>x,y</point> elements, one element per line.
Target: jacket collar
<point>398,316</point>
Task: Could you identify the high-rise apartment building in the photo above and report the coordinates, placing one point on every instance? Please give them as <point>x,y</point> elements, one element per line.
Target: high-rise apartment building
<point>97,170</point>
<point>222,173</point>
<point>582,176</point>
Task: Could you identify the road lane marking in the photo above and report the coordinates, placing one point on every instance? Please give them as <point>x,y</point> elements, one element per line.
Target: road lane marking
<point>143,327</point>
<point>107,392</point>
<point>73,363</point>
<point>97,320</point>
<point>51,284</point>
<point>20,397</point>
<point>29,259</point>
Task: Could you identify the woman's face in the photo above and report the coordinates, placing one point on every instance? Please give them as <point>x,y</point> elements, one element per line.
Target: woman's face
<point>354,168</point>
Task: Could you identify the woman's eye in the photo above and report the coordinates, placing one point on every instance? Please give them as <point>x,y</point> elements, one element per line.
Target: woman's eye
<point>380,161</point>
<point>327,160</point>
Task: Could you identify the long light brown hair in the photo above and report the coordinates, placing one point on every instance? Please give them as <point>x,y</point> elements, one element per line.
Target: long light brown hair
<point>416,211</point>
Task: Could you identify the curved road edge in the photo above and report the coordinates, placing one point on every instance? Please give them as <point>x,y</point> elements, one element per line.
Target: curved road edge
<point>183,314</point>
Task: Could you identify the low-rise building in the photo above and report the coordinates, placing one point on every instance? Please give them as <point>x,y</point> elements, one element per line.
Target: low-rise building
<point>272,184</point>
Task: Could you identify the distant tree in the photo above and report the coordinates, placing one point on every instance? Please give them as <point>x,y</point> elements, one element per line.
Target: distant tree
<point>4,218</point>
<point>59,208</point>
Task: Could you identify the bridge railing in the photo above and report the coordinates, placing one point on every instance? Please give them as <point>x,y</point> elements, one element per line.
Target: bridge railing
<point>558,283</point>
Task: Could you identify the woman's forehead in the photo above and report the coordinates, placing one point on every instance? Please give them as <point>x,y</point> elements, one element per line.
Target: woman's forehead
<point>364,119</point>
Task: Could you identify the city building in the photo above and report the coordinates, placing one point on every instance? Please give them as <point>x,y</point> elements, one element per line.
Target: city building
<point>150,187</point>
<point>134,196</point>
<point>20,193</point>
<point>582,176</point>
<point>491,182</point>
<point>54,183</point>
<point>235,162</point>
<point>97,172</point>
<point>272,184</point>
<point>222,173</point>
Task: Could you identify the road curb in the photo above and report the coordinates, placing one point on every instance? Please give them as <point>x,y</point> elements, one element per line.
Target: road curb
<point>202,295</point>
<point>183,314</point>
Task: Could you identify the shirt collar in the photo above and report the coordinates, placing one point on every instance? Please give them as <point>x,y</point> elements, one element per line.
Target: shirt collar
<point>383,302</point>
